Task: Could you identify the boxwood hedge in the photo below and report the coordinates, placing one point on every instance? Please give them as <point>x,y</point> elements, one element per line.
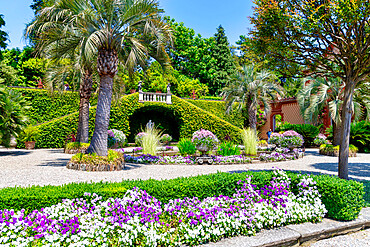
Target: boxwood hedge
<point>46,106</point>
<point>342,198</point>
<point>54,133</point>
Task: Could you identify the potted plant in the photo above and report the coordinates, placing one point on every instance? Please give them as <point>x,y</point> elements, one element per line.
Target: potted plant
<point>30,136</point>
<point>166,138</point>
<point>204,140</point>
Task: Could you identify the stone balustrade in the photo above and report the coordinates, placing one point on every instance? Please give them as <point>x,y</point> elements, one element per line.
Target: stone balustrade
<point>155,97</point>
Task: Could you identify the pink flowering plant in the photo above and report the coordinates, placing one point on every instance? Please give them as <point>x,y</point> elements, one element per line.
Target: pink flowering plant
<point>320,139</point>
<point>289,138</point>
<point>205,138</point>
<point>139,138</point>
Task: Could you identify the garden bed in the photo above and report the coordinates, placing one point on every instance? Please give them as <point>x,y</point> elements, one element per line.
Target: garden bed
<point>93,163</point>
<point>330,150</point>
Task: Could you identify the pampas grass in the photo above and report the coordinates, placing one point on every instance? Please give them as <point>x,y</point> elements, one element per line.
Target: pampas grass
<point>250,141</point>
<point>151,140</point>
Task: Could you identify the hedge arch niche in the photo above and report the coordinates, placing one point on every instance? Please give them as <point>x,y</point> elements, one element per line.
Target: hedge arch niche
<point>163,117</point>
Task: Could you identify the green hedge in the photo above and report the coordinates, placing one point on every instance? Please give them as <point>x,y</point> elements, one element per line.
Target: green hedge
<point>46,106</point>
<point>343,199</point>
<point>217,108</point>
<point>53,134</point>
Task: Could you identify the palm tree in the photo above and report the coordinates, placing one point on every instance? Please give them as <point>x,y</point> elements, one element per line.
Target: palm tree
<point>111,30</point>
<point>250,88</point>
<point>323,92</point>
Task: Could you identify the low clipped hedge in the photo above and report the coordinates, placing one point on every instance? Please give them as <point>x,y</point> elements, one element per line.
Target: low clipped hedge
<point>342,198</point>
<point>53,134</point>
<point>46,106</point>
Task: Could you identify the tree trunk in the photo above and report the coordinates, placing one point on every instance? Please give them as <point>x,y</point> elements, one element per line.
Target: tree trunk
<point>83,119</point>
<point>337,133</point>
<point>346,127</point>
<point>107,67</point>
<point>252,114</point>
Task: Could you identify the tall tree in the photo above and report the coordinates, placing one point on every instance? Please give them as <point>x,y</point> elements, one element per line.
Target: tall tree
<point>249,88</point>
<point>330,38</point>
<point>224,66</point>
<point>111,31</point>
<point>3,35</point>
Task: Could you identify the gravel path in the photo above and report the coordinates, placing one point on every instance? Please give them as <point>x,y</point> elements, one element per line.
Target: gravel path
<point>357,239</point>
<point>47,167</point>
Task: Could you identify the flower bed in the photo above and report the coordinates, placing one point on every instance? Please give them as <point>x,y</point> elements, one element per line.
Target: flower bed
<point>138,219</point>
<point>331,150</point>
<point>185,160</point>
<point>281,154</point>
<point>92,162</point>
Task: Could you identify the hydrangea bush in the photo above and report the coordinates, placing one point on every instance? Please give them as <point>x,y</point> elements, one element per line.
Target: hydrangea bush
<point>139,138</point>
<point>139,219</point>
<point>320,139</point>
<point>287,139</point>
<point>116,138</point>
<point>166,138</point>
<point>205,138</point>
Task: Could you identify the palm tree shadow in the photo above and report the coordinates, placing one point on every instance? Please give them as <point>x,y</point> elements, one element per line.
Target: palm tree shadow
<point>55,163</point>
<point>354,169</point>
<point>14,153</point>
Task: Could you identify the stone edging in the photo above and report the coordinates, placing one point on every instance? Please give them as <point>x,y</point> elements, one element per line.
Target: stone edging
<point>118,166</point>
<point>295,235</point>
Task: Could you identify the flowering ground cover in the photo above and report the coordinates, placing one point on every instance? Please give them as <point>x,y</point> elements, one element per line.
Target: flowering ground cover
<point>139,219</point>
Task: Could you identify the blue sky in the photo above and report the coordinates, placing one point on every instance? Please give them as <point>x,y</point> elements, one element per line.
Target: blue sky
<point>204,16</point>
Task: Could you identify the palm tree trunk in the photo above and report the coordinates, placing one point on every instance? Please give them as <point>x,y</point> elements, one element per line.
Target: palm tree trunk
<point>107,65</point>
<point>337,133</point>
<point>346,127</point>
<point>252,114</point>
<point>83,119</point>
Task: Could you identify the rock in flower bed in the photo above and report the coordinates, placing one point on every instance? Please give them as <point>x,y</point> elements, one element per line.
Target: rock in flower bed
<point>139,219</point>
<point>92,162</point>
<point>186,160</point>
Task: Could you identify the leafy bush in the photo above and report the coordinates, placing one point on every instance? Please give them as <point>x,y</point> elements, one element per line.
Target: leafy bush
<point>307,131</point>
<point>291,139</point>
<point>329,149</point>
<point>319,140</point>
<point>30,134</point>
<point>116,138</point>
<point>166,138</point>
<point>93,159</point>
<point>342,198</point>
<point>262,143</point>
<point>186,147</point>
<point>250,141</point>
<point>228,149</point>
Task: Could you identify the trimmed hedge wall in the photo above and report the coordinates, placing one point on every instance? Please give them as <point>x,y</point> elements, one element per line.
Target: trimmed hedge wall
<point>46,106</point>
<point>342,198</point>
<point>218,108</point>
<point>53,134</point>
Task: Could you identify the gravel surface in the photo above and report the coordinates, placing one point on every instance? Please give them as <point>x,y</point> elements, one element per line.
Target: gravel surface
<point>357,239</point>
<point>47,167</point>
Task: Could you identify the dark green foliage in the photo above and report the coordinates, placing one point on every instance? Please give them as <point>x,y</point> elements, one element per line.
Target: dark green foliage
<point>53,134</point>
<point>224,66</point>
<point>359,135</point>
<point>46,106</point>
<point>342,198</point>
<point>186,147</point>
<point>308,131</point>
<point>367,192</point>
<point>228,148</point>
<point>12,114</point>
<point>3,35</point>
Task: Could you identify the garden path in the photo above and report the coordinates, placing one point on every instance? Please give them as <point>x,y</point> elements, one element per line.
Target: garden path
<point>47,167</point>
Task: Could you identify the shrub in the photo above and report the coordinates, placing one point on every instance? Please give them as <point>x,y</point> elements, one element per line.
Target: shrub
<point>116,138</point>
<point>291,139</point>
<point>205,138</point>
<point>150,141</point>
<point>166,138</point>
<point>319,140</point>
<point>228,149</point>
<point>186,147</point>
<point>30,134</point>
<point>329,149</point>
<point>307,131</point>
<point>342,198</point>
<point>76,147</point>
<point>93,159</point>
<point>262,143</point>
<point>250,141</point>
